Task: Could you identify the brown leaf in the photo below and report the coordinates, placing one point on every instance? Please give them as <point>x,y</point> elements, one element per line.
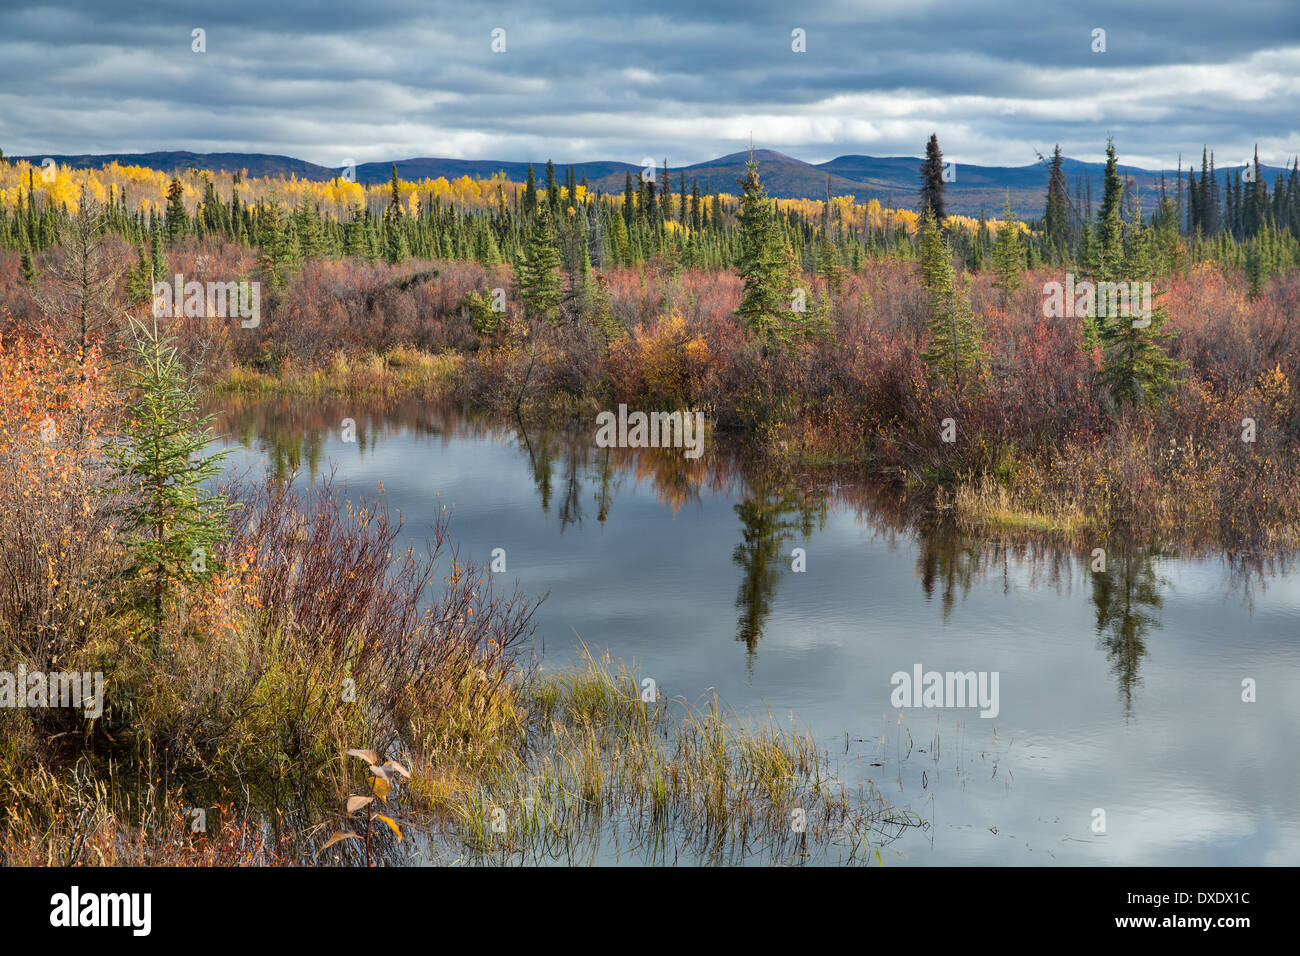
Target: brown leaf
<point>356,803</point>
<point>379,771</point>
<point>394,765</point>
<point>369,756</point>
<point>337,838</point>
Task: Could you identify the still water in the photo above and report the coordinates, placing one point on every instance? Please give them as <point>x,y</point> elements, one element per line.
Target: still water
<point>1119,692</point>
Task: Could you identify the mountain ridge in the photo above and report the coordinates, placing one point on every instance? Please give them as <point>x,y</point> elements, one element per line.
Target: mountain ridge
<point>893,180</point>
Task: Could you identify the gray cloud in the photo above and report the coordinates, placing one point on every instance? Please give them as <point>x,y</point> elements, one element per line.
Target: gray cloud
<point>325,81</point>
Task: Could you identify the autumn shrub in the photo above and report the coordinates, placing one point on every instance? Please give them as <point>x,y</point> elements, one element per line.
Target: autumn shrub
<point>356,635</point>
<point>313,627</point>
<point>57,541</point>
<point>663,364</point>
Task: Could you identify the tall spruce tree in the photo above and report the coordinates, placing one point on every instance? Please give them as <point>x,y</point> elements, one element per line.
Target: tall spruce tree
<point>552,192</point>
<point>1108,249</point>
<point>530,194</point>
<point>1056,218</point>
<point>765,299</point>
<point>932,182</point>
<point>1105,260</point>
<point>666,194</point>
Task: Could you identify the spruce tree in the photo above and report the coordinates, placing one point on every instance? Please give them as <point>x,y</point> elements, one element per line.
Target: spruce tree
<point>1056,218</point>
<point>764,302</point>
<point>395,248</point>
<point>1105,260</point>
<point>1214,222</point>
<point>278,252</point>
<point>552,192</point>
<point>173,525</point>
<point>212,211</point>
<point>486,250</point>
<point>1108,251</point>
<point>310,231</point>
<point>1256,199</point>
<point>954,352</point>
<point>620,242</point>
<point>394,209</point>
<point>1293,199</point>
<point>27,268</point>
<point>530,195</point>
<point>539,277</point>
<point>1008,255</point>
<point>1194,214</point>
<point>177,220</point>
<point>666,194</point>
<point>600,311</point>
<point>1135,365</point>
<point>932,182</point>
<point>354,234</point>
<point>828,267</point>
<point>139,280</point>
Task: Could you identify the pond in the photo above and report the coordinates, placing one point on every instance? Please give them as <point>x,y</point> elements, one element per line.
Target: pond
<point>1105,720</point>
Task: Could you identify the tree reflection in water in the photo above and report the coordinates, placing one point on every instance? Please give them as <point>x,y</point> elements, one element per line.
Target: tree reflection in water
<point>770,515</point>
<point>1126,595</point>
<point>775,506</point>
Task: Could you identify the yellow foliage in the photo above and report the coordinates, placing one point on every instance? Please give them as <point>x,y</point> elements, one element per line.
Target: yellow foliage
<point>146,190</point>
<point>1275,391</point>
<point>664,361</point>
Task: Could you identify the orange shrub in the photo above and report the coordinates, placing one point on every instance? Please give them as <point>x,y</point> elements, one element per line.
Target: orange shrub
<point>55,519</point>
<point>663,363</point>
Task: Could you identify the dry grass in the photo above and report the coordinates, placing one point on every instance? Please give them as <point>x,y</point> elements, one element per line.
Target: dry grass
<point>986,505</point>
<point>603,772</point>
<point>401,371</point>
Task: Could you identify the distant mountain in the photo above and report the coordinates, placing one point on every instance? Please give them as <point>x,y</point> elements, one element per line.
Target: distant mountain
<point>891,179</point>
<point>432,168</point>
<point>783,176</point>
<point>256,164</point>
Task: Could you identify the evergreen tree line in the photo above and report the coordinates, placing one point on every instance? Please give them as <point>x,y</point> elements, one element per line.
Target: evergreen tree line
<point>1248,227</point>
<point>1130,358</point>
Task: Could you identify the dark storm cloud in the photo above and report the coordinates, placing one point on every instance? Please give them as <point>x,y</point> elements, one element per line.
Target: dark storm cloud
<point>329,81</point>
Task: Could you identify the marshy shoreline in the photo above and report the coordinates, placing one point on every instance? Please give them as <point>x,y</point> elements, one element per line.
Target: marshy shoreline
<point>1184,493</point>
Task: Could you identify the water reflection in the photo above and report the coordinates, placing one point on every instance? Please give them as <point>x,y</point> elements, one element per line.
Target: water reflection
<point>1126,594</point>
<point>772,512</point>
<point>949,561</point>
<point>776,509</point>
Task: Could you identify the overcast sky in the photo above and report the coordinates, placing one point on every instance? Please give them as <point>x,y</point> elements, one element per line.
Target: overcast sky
<point>686,79</point>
